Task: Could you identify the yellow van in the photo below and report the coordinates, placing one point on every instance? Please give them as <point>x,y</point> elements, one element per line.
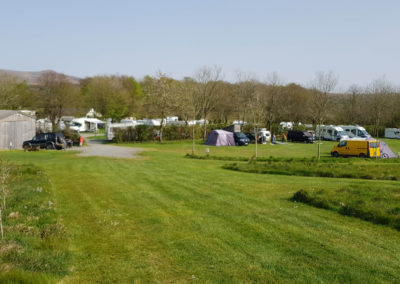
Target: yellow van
<point>357,147</point>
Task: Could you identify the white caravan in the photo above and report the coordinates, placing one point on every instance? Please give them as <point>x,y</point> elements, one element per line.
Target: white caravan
<point>392,133</point>
<point>84,124</point>
<point>356,130</point>
<point>286,125</point>
<point>331,132</point>
<point>263,135</point>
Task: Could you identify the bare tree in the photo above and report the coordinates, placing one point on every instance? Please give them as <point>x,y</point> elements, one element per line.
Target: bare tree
<point>185,92</point>
<point>56,94</point>
<point>206,98</point>
<point>380,92</point>
<point>161,97</point>
<point>250,99</point>
<point>351,105</point>
<point>271,97</point>
<point>323,84</point>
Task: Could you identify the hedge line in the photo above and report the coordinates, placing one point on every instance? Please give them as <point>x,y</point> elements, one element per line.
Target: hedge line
<point>145,133</point>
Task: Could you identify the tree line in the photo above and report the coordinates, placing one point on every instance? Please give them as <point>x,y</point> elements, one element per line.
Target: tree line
<point>207,96</point>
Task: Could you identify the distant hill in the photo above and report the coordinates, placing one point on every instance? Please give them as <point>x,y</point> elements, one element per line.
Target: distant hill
<point>32,78</point>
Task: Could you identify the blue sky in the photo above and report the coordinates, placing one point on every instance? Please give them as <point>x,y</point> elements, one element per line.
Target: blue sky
<point>358,40</point>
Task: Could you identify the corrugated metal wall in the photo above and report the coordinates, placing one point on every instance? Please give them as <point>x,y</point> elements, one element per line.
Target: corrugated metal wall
<point>14,130</point>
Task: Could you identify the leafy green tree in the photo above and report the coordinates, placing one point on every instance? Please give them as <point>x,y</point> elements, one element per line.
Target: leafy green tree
<point>14,94</point>
<point>113,96</point>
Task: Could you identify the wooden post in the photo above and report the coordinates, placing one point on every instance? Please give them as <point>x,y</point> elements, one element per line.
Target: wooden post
<point>1,225</point>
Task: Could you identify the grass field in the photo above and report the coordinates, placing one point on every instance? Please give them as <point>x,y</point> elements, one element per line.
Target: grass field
<point>167,218</point>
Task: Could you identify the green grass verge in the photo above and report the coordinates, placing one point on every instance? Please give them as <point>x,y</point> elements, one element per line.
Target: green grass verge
<point>384,169</point>
<point>35,246</point>
<point>379,205</point>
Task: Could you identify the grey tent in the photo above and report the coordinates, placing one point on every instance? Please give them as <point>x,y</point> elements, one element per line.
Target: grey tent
<point>220,138</point>
<point>386,152</point>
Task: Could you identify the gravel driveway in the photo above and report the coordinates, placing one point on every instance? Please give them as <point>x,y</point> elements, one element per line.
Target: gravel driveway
<point>97,148</point>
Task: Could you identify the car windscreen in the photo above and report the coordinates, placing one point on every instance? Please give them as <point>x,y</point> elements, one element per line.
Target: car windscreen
<point>240,135</point>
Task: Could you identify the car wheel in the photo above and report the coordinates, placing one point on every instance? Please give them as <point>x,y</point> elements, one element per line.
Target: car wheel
<point>50,146</point>
<point>335,154</point>
<point>27,147</point>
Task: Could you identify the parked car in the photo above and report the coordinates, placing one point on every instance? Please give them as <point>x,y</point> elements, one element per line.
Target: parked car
<point>240,139</point>
<point>251,137</point>
<point>357,147</point>
<point>301,136</point>
<point>52,140</point>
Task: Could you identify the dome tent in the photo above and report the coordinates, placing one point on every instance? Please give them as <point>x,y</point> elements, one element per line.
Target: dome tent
<point>220,138</point>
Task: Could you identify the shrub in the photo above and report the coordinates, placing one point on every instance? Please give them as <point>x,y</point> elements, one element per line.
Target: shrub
<point>301,196</point>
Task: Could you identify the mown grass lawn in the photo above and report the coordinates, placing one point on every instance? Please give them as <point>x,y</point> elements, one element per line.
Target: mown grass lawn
<point>166,218</point>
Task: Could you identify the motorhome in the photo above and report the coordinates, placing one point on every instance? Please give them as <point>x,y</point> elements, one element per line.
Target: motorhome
<point>331,132</point>
<point>392,133</point>
<point>357,147</point>
<point>356,131</point>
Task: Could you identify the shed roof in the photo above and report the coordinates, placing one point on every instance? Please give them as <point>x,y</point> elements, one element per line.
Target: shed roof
<point>7,113</point>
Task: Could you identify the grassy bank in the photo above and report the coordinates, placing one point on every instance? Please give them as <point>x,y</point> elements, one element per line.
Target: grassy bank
<point>332,168</point>
<point>379,205</point>
<point>35,244</point>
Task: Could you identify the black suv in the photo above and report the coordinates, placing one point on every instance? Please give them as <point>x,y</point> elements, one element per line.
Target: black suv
<point>53,140</point>
<point>241,139</point>
<point>301,136</point>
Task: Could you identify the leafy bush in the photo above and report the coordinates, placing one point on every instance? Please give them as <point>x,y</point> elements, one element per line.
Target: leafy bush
<point>72,135</point>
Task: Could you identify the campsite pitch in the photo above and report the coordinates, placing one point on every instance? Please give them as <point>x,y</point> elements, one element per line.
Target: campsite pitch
<point>169,218</point>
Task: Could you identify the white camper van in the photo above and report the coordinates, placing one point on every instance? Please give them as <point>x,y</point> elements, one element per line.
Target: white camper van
<point>331,132</point>
<point>356,130</point>
<point>392,133</point>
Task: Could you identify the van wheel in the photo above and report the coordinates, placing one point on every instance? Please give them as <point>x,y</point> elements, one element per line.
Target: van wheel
<point>335,154</point>
<point>362,155</point>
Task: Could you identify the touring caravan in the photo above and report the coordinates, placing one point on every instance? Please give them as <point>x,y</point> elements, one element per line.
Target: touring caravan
<point>84,124</point>
<point>331,132</point>
<point>263,135</point>
<point>356,130</point>
<point>392,133</point>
